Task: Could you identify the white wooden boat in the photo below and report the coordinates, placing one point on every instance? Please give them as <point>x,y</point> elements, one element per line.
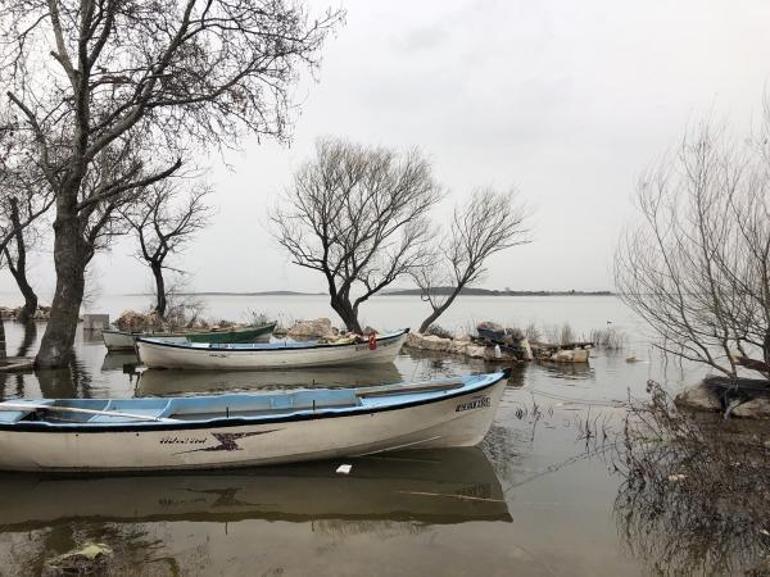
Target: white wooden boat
<point>126,341</point>
<point>162,354</point>
<point>440,486</point>
<point>81,435</point>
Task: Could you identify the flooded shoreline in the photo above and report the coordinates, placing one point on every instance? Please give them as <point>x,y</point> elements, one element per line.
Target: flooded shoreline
<point>541,496</point>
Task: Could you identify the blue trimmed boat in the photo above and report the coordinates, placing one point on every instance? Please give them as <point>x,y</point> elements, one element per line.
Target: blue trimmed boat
<point>238,430</point>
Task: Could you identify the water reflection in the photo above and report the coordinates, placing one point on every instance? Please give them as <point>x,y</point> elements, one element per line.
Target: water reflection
<point>67,382</point>
<point>695,499</point>
<point>120,361</point>
<point>568,371</point>
<point>144,519</point>
<point>28,339</point>
<point>435,487</point>
<point>159,382</point>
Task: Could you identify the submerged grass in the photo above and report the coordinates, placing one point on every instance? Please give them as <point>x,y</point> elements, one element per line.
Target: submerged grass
<point>695,499</point>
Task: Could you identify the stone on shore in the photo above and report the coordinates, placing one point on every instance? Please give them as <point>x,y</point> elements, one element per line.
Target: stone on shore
<point>42,313</point>
<point>463,347</point>
<point>428,342</point>
<point>758,408</point>
<point>700,397</point>
<point>315,328</point>
<point>570,356</point>
<point>91,559</point>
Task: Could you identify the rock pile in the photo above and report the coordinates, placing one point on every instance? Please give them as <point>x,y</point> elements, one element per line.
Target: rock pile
<point>42,313</point>
<point>745,398</point>
<point>496,344</point>
<point>133,321</point>
<point>310,329</point>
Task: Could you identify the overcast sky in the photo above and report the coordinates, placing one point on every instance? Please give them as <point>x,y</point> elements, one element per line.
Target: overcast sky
<point>566,101</point>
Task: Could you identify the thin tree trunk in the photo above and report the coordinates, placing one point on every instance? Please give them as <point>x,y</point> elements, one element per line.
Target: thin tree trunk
<point>19,272</point>
<point>3,348</point>
<point>160,290</point>
<point>438,311</point>
<point>19,267</point>
<point>70,260</point>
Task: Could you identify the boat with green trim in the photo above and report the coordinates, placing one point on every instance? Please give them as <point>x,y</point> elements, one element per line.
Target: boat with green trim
<point>126,340</point>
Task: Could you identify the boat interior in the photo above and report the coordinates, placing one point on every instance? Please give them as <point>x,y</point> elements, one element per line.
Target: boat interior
<point>179,409</point>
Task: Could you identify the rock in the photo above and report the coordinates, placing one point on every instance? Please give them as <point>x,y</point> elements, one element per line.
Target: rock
<point>490,326</point>
<point>524,344</point>
<point>462,338</point>
<point>321,327</point>
<point>700,397</point>
<point>580,355</point>
<point>475,351</point>
<point>369,331</point>
<point>570,356</point>
<point>428,343</point>
<point>459,347</point>
<point>91,559</point>
<point>757,408</point>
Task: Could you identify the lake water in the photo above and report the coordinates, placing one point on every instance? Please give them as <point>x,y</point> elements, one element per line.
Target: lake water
<point>537,498</point>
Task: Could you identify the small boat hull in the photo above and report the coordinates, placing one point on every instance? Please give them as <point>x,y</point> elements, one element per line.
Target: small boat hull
<point>437,419</point>
<point>126,341</point>
<point>166,355</point>
<point>168,382</point>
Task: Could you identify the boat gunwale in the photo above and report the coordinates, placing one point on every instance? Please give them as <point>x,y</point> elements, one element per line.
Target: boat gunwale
<point>219,347</point>
<point>227,422</point>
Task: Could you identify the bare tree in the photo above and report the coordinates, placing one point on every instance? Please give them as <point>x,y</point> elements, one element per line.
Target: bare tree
<point>131,86</point>
<point>697,267</point>
<point>163,229</point>
<point>15,254</point>
<point>488,223</point>
<point>358,216</point>
<point>24,198</point>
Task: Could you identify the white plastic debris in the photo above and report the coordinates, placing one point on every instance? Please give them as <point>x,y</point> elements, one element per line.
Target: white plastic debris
<point>344,469</point>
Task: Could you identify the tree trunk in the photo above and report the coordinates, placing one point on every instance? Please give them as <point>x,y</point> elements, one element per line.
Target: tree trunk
<point>345,310</point>
<point>160,290</point>
<point>19,267</point>
<point>3,348</point>
<point>70,260</point>
<point>438,311</point>
<point>19,273</point>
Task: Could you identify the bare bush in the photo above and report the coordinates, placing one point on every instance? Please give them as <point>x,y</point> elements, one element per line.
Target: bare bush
<point>438,331</point>
<point>697,267</point>
<point>609,338</point>
<point>533,333</point>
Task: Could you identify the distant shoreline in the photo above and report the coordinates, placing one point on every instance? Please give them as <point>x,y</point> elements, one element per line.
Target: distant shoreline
<point>496,293</point>
<point>399,292</point>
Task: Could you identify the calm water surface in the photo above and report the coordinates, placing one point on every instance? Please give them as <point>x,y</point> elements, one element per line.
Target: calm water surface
<point>536,499</point>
